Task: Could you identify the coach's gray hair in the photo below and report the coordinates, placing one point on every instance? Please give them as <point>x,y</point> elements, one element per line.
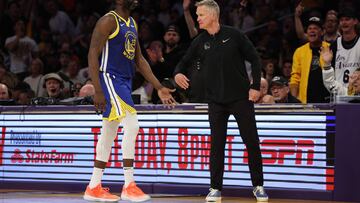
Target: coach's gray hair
<point>210,4</point>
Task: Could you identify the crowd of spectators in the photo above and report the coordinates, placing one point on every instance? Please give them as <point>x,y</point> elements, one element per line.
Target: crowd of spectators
<point>44,45</point>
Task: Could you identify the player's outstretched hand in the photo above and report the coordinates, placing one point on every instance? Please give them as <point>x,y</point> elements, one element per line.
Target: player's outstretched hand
<point>166,97</point>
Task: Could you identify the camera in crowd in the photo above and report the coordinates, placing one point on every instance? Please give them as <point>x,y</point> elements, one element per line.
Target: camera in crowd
<point>44,101</point>
<point>88,100</point>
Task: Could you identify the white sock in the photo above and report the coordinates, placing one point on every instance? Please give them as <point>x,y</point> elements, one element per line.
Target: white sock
<point>128,175</point>
<point>96,177</point>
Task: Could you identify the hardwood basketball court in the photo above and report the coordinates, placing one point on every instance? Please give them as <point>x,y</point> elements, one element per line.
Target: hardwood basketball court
<point>28,196</point>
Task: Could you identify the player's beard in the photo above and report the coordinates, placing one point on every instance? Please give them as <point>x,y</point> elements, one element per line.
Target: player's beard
<point>130,4</point>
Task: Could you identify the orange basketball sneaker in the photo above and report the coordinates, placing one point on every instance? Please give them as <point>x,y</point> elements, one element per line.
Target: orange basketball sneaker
<point>99,193</point>
<point>133,193</point>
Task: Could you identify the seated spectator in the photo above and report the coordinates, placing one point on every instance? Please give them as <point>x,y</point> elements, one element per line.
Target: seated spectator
<point>269,69</point>
<point>354,83</point>
<point>4,92</point>
<point>21,88</point>
<point>5,95</point>
<point>265,98</point>
<point>280,91</point>
<point>24,97</point>
<point>54,85</point>
<point>87,90</point>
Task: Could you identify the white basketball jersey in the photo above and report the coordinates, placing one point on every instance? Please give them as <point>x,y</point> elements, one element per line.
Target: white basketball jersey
<point>347,61</point>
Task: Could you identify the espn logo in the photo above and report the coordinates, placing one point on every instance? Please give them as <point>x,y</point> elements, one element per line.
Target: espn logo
<point>276,151</point>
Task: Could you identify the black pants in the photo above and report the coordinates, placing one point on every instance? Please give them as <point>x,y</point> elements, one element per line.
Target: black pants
<point>244,114</point>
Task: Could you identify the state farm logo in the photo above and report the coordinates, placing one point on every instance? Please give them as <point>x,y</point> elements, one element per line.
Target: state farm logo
<point>17,157</point>
<point>32,156</point>
<point>274,151</point>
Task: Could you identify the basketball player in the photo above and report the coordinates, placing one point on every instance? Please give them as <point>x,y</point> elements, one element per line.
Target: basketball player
<point>113,53</point>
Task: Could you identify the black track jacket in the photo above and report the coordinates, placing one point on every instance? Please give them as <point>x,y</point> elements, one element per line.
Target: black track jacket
<point>222,60</point>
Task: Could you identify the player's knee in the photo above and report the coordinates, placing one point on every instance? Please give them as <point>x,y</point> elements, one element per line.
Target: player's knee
<point>132,130</point>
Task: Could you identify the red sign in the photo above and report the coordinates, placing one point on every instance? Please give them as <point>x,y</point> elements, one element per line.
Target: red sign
<point>151,153</point>
<point>278,150</point>
<point>2,143</point>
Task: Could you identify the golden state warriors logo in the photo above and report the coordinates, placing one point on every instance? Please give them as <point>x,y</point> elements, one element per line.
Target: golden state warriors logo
<point>130,43</point>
